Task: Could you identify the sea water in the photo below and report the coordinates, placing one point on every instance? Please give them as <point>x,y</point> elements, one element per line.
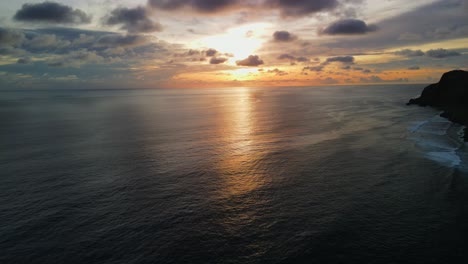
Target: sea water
<point>344,174</point>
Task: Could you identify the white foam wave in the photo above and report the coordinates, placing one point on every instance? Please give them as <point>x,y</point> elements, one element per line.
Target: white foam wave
<point>449,158</point>
<point>437,142</point>
<point>416,125</point>
<point>440,140</point>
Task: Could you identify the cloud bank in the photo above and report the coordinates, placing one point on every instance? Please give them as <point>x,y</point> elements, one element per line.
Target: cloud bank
<point>135,20</point>
<point>51,12</point>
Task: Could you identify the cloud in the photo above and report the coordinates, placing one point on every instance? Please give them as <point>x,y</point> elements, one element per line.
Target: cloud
<point>52,43</point>
<point>441,53</point>
<point>252,60</point>
<point>287,8</point>
<point>192,52</point>
<point>115,40</point>
<point>377,79</point>
<point>76,59</point>
<point>409,36</point>
<point>203,6</point>
<point>47,41</point>
<point>413,68</point>
<point>215,60</point>
<point>211,52</point>
<point>329,80</point>
<point>51,12</point>
<point>301,7</point>
<point>24,60</point>
<point>302,59</point>
<point>409,53</point>
<point>277,72</point>
<point>348,27</point>
<point>342,59</point>
<point>421,20</point>
<point>286,57</point>
<point>135,20</point>
<point>283,36</point>
<point>313,68</point>
<point>10,37</point>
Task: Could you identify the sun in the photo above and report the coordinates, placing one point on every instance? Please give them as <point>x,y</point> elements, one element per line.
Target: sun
<point>240,42</point>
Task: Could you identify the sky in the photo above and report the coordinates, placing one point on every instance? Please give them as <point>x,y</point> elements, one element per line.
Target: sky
<point>229,43</point>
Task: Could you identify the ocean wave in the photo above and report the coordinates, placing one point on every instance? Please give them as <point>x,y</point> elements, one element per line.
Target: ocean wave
<point>440,140</point>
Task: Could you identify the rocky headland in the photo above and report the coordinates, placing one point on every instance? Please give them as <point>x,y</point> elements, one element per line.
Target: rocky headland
<point>450,95</point>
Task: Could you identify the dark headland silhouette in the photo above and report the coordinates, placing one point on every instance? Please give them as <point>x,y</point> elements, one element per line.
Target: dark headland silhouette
<point>450,94</point>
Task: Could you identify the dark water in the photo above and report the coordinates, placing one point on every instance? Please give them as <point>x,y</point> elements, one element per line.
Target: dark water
<point>289,175</point>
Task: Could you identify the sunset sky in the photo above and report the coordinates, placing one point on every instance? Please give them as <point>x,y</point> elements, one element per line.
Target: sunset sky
<point>229,43</point>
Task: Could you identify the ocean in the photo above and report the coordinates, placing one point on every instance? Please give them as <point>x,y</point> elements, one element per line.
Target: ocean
<point>345,174</point>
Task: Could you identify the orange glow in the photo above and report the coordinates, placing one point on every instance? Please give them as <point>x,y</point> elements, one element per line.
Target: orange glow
<point>240,41</point>
<point>241,159</point>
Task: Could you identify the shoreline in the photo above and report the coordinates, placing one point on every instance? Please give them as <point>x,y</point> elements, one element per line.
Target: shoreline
<point>450,95</point>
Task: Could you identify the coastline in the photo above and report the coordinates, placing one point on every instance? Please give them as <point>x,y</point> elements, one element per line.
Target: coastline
<point>450,95</point>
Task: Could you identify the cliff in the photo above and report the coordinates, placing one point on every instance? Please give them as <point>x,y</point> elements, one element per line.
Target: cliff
<point>450,94</point>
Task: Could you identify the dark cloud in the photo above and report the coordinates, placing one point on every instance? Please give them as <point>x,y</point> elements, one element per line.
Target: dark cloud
<point>302,7</point>
<point>47,41</point>
<point>342,59</point>
<point>168,4</point>
<point>409,36</point>
<point>10,37</point>
<point>59,41</point>
<point>360,69</point>
<point>286,7</point>
<point>348,27</point>
<point>189,53</point>
<point>211,52</point>
<point>283,36</point>
<point>441,53</point>
<point>70,34</point>
<point>56,64</point>
<point>77,58</point>
<point>204,6</point>
<point>313,68</point>
<point>51,12</point>
<point>277,72</point>
<point>409,53</point>
<point>24,60</point>
<point>252,60</point>
<point>418,23</point>
<point>134,20</point>
<point>286,57</point>
<point>413,68</point>
<point>115,40</point>
<point>215,60</point>
<point>192,52</point>
<point>302,59</point>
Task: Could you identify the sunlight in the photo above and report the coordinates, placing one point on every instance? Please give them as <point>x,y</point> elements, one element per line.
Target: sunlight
<point>241,159</point>
<point>243,74</point>
<point>240,41</point>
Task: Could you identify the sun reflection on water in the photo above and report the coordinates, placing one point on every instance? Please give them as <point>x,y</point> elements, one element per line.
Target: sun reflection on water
<point>241,161</point>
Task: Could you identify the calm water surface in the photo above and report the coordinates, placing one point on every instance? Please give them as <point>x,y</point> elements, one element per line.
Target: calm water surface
<point>244,175</point>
